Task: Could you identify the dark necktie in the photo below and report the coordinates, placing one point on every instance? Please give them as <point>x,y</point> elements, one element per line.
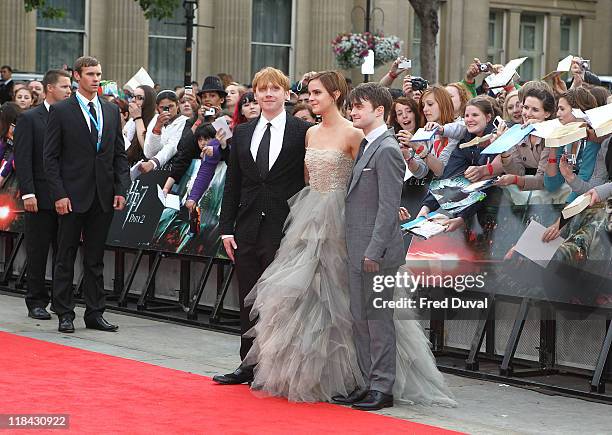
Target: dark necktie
<point>362,146</point>
<point>94,130</point>
<point>263,153</point>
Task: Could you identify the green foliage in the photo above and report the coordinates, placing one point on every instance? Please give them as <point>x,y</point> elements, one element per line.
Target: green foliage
<point>47,11</point>
<point>159,9</point>
<point>152,9</point>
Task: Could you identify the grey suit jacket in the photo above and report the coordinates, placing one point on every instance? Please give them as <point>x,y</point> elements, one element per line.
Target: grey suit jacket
<point>372,204</point>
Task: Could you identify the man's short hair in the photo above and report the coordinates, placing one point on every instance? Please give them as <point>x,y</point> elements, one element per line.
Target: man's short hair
<point>271,75</point>
<point>52,77</point>
<point>7,67</point>
<point>85,61</point>
<point>375,93</point>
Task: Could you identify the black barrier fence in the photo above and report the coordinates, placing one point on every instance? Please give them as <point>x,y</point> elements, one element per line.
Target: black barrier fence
<point>532,322</point>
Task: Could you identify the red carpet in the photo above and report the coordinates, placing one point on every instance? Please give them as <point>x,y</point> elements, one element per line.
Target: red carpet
<point>106,394</point>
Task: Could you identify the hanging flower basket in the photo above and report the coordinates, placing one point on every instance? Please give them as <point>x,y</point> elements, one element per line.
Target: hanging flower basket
<point>350,49</point>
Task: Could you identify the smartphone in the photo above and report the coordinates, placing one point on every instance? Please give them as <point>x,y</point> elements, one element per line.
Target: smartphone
<point>497,122</point>
<point>405,64</point>
<point>188,90</point>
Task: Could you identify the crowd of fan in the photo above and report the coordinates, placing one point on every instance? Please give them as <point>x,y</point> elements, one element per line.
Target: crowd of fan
<point>163,127</point>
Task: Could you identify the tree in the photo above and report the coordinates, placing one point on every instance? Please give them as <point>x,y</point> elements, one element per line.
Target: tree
<point>427,13</point>
<point>158,9</point>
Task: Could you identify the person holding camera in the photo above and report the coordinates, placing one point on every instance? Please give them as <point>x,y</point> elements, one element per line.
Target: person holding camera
<point>400,66</point>
<point>475,69</point>
<point>580,73</point>
<point>212,97</point>
<point>164,132</point>
<point>414,87</point>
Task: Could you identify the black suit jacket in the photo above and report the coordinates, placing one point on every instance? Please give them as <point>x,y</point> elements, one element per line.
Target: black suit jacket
<point>250,200</point>
<point>29,141</point>
<point>72,166</point>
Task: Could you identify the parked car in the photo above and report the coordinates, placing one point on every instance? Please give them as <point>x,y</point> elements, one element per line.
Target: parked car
<point>19,76</point>
<point>606,81</point>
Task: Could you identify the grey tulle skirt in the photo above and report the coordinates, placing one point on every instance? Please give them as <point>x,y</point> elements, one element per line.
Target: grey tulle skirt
<point>303,346</point>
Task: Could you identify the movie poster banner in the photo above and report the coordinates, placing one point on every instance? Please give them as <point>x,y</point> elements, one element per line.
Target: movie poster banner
<point>146,223</point>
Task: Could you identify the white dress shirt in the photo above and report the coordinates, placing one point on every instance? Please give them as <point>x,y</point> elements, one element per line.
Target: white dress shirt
<point>375,134</point>
<point>85,110</point>
<point>277,131</point>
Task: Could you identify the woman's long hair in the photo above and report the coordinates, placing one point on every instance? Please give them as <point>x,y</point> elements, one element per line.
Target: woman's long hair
<point>9,112</point>
<point>238,117</point>
<point>413,105</point>
<point>135,152</point>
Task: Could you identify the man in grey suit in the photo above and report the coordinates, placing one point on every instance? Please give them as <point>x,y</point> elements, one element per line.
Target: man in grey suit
<point>375,245</point>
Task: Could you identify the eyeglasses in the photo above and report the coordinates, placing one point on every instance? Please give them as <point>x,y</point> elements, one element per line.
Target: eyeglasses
<point>136,97</point>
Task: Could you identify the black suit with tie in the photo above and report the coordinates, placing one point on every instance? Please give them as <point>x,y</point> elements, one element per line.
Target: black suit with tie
<point>255,208</point>
<point>40,227</point>
<point>90,178</point>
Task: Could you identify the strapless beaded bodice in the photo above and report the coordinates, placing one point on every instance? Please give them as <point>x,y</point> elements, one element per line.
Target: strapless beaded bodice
<point>328,169</point>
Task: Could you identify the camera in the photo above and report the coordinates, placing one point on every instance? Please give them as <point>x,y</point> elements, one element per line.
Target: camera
<point>405,64</point>
<point>585,64</point>
<point>210,112</point>
<point>188,90</point>
<point>483,67</point>
<point>166,108</point>
<point>419,84</point>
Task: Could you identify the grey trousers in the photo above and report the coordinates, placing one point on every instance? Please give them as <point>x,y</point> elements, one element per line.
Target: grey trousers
<point>373,330</point>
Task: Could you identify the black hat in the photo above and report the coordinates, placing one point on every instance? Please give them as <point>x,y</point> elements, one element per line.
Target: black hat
<point>213,84</point>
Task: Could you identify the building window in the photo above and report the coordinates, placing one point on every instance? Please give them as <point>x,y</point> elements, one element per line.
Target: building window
<point>569,36</point>
<point>496,31</point>
<point>531,43</point>
<point>167,50</point>
<point>271,37</point>
<point>60,41</point>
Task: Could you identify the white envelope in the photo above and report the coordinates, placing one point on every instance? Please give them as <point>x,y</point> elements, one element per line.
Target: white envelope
<point>135,170</point>
<point>142,77</point>
<point>221,124</point>
<point>170,200</point>
<point>530,245</point>
<point>503,78</point>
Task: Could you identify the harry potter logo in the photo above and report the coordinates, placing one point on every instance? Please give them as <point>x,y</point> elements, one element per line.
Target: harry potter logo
<point>135,196</point>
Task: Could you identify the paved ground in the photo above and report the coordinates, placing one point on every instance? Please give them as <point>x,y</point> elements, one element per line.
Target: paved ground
<point>484,407</point>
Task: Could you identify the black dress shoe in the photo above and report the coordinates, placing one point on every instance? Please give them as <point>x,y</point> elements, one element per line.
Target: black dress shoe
<point>100,324</point>
<point>66,325</point>
<point>356,396</point>
<point>39,313</point>
<point>240,376</point>
<point>373,401</point>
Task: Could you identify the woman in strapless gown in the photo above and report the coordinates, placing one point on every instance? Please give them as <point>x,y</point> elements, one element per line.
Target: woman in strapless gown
<point>303,347</point>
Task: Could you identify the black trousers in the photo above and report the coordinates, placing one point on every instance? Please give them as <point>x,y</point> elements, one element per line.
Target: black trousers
<point>40,233</point>
<point>93,225</point>
<point>252,259</point>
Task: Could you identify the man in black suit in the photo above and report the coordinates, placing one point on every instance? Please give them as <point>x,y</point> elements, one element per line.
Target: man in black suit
<point>6,84</point>
<point>88,173</point>
<point>40,216</point>
<point>266,168</point>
